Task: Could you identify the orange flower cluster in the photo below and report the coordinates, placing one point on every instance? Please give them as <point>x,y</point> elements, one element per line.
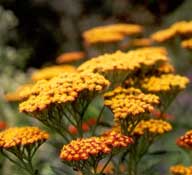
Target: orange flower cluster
<point>82,149</point>
<point>50,72</point>
<point>152,126</point>
<point>70,57</point>
<point>141,42</point>
<point>129,102</point>
<point>165,83</point>
<point>187,44</point>
<point>181,170</point>
<point>15,96</point>
<point>65,88</point>
<point>185,141</point>
<point>120,64</point>
<point>110,33</point>
<point>179,28</point>
<point>21,136</point>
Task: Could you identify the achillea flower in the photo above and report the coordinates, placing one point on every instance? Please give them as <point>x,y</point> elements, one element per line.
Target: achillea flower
<point>131,102</point>
<point>163,35</point>
<point>181,170</point>
<point>187,44</point>
<point>153,127</point>
<point>70,57</point>
<point>110,33</point>
<point>50,72</point>
<point>165,83</point>
<point>15,96</point>
<point>16,137</point>
<point>179,28</point>
<point>64,88</point>
<point>117,66</point>
<point>83,149</point>
<point>185,141</point>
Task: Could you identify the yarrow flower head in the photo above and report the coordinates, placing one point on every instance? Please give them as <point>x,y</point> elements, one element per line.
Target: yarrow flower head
<point>93,148</point>
<point>50,72</point>
<point>64,88</point>
<point>117,66</point>
<point>179,28</point>
<point>110,33</point>
<point>181,170</point>
<point>16,95</point>
<point>129,102</point>
<point>152,126</point>
<point>70,57</point>
<point>23,136</point>
<point>187,44</point>
<point>185,141</point>
<point>165,83</point>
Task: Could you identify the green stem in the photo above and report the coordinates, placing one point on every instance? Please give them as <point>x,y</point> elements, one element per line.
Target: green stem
<point>101,172</point>
<point>98,119</point>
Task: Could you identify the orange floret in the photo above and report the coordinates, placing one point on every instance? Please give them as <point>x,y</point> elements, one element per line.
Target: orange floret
<point>21,136</point>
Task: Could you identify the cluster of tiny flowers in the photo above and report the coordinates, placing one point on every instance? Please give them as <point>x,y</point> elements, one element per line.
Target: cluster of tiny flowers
<point>62,89</point>
<point>21,136</point>
<point>110,33</point>
<point>165,83</point>
<point>152,126</point>
<point>50,72</point>
<point>15,96</point>
<point>121,61</point>
<point>187,44</point>
<point>181,170</point>
<point>70,57</point>
<point>82,149</point>
<point>185,141</point>
<point>179,28</point>
<point>129,102</point>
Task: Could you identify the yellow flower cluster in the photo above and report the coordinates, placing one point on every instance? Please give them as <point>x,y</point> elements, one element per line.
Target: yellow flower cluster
<point>70,57</point>
<point>187,43</point>
<point>129,102</point>
<point>181,170</point>
<point>152,126</point>
<point>62,89</point>
<point>179,28</point>
<point>50,72</point>
<point>110,33</point>
<point>82,149</point>
<point>127,62</point>
<point>21,136</point>
<point>165,83</point>
<point>185,141</point>
<point>15,96</point>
